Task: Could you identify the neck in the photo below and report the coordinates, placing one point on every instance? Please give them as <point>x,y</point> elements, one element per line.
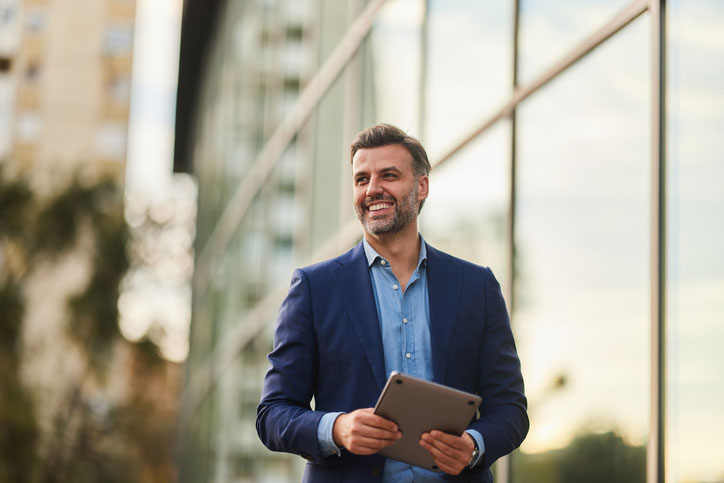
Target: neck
<point>401,249</point>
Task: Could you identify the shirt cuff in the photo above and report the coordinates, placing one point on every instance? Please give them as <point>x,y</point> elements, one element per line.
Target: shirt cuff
<point>324,435</point>
<point>481,445</point>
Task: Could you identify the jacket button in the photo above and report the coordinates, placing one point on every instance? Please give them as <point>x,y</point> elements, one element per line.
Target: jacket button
<point>376,472</point>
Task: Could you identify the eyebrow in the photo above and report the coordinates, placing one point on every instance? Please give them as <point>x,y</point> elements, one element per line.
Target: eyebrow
<point>390,169</point>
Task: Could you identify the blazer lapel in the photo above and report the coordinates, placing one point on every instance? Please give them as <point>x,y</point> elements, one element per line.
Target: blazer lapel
<point>353,281</point>
<point>443,286</point>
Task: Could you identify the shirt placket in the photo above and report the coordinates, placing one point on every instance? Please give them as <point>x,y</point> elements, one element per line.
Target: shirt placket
<point>408,328</point>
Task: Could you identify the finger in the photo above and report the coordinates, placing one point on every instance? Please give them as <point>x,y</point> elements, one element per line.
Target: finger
<point>370,428</point>
<point>380,433</point>
<point>364,445</point>
<point>442,455</point>
<point>377,421</point>
<point>442,445</point>
<point>374,433</point>
<point>443,461</point>
<point>447,452</point>
<point>457,442</point>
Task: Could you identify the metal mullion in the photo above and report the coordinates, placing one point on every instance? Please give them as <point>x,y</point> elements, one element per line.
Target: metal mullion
<point>504,471</point>
<point>625,17</point>
<point>264,163</point>
<point>424,50</point>
<point>656,454</point>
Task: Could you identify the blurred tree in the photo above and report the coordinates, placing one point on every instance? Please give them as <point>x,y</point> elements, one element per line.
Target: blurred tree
<point>95,436</point>
<point>590,457</point>
<point>18,428</point>
<point>602,458</point>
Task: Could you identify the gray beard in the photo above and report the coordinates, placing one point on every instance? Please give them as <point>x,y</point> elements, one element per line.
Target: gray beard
<point>405,213</point>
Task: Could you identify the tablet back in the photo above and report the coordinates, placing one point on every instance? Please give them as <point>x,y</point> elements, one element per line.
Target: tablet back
<point>418,406</point>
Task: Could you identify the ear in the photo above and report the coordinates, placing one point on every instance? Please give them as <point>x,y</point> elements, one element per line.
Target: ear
<point>423,187</point>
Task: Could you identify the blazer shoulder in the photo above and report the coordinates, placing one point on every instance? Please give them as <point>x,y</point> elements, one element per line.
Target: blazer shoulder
<point>326,267</point>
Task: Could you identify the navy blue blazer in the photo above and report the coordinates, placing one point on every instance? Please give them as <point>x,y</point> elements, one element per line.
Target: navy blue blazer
<point>328,346</point>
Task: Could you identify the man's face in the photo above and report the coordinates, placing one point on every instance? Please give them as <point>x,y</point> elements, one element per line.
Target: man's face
<point>386,191</point>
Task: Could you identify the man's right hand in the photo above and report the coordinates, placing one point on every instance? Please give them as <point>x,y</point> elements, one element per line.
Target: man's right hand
<point>363,432</point>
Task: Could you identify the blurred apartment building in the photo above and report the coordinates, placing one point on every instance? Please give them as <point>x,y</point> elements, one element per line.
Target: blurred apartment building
<point>65,85</point>
<point>576,150</point>
<point>65,82</point>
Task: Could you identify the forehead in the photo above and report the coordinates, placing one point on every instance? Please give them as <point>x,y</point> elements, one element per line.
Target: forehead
<point>383,157</point>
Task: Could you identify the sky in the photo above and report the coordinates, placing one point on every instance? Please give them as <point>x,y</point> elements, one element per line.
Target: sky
<point>156,297</point>
<point>153,100</point>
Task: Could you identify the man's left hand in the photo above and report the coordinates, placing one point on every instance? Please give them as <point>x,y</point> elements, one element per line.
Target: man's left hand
<point>451,453</point>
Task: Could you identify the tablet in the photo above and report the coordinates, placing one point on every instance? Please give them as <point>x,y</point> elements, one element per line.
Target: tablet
<point>418,406</point>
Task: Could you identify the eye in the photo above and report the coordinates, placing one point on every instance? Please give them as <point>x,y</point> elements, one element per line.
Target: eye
<point>360,180</point>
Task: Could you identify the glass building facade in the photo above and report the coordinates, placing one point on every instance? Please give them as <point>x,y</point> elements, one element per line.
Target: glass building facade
<point>577,150</point>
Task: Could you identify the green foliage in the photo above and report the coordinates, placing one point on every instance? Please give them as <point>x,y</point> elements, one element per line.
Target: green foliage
<point>11,308</point>
<point>60,221</point>
<point>602,458</point>
<point>590,457</point>
<point>94,312</point>
<point>18,431</point>
<point>18,428</point>
<point>15,202</point>
<point>100,445</point>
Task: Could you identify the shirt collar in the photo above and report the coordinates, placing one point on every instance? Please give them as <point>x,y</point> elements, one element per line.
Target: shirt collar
<point>372,254</point>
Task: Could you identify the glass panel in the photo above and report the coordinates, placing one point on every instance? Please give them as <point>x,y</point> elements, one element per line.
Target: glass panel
<point>329,160</point>
<point>551,28</point>
<point>393,66</point>
<point>582,314</point>
<point>469,66</point>
<point>467,211</point>
<point>695,310</point>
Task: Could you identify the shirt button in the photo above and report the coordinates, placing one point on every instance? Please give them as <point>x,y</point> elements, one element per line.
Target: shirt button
<point>394,287</point>
<point>404,320</point>
<point>383,262</point>
<point>408,355</point>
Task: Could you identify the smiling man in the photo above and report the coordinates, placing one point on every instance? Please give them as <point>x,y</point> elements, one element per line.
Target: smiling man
<point>392,303</point>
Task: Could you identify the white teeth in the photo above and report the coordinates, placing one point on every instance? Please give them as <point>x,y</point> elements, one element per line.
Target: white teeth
<point>380,206</point>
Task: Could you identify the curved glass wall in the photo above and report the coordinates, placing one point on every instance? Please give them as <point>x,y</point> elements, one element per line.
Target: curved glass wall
<point>553,193</point>
<point>395,42</point>
<point>551,28</point>
<point>696,237</point>
<point>582,308</point>
<point>468,69</point>
<point>467,210</point>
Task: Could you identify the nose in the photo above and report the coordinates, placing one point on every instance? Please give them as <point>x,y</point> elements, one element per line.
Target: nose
<point>373,187</point>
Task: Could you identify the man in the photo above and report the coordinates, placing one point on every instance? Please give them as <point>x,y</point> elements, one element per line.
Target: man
<point>391,303</point>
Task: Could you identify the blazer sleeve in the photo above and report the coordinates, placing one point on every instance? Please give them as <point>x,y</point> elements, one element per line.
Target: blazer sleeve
<point>285,421</point>
<point>503,419</point>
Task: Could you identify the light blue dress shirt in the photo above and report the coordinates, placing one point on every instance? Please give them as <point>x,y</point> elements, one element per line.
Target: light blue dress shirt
<point>405,326</point>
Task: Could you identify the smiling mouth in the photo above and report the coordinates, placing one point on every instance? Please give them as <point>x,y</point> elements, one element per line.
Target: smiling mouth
<point>378,206</point>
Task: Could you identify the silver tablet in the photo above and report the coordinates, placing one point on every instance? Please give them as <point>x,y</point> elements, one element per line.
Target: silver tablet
<point>418,406</point>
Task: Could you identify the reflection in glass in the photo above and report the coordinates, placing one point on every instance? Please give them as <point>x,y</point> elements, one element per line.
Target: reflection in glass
<point>393,66</point>
<point>695,282</point>
<point>551,28</point>
<point>466,212</point>
<point>468,68</point>
<point>582,312</point>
